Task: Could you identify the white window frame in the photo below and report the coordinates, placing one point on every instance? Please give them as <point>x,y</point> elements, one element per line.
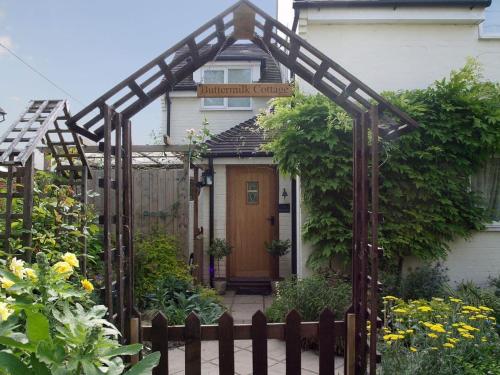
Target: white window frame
<point>492,226</point>
<point>226,69</point>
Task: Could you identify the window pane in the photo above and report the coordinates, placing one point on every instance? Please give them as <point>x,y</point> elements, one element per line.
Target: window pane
<point>239,76</point>
<point>213,102</point>
<point>238,102</point>
<point>213,76</point>
<point>252,192</point>
<point>487,183</point>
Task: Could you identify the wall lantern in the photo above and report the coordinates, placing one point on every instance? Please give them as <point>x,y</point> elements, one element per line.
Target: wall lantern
<point>2,115</point>
<point>207,178</point>
<point>284,194</point>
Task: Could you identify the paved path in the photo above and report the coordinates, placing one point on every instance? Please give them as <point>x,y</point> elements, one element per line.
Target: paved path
<point>242,308</point>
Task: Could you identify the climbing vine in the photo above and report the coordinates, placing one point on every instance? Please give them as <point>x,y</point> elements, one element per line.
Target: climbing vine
<point>426,200</point>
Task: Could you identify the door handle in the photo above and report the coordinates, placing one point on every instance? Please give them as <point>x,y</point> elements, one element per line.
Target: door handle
<point>271,219</point>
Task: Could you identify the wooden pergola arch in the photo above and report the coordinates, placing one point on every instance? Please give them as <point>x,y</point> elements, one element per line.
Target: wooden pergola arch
<point>112,111</point>
<point>41,125</point>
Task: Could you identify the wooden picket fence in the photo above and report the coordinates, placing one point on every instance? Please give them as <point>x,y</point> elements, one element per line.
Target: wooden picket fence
<point>326,331</point>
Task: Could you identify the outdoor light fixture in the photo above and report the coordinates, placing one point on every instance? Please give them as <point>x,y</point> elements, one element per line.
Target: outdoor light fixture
<point>2,115</point>
<point>284,194</point>
<point>207,178</point>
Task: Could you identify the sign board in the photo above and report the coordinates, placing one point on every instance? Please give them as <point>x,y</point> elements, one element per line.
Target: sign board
<point>244,90</point>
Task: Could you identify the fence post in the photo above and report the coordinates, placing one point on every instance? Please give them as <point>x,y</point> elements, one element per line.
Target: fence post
<point>159,341</point>
<point>292,339</point>
<point>326,342</point>
<point>351,344</point>
<point>226,344</point>
<point>259,343</point>
<point>134,337</point>
<point>193,345</point>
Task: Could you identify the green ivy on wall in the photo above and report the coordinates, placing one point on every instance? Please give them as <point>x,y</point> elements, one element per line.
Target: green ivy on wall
<point>426,198</point>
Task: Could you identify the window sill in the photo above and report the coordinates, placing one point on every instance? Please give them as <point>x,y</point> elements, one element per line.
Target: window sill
<point>203,109</point>
<point>493,227</point>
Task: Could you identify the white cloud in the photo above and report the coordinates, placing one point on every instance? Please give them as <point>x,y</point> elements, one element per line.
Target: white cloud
<point>7,42</point>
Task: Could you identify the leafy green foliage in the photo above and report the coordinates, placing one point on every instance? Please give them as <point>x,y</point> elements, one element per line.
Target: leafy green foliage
<point>278,248</point>
<point>219,248</point>
<point>440,336</point>
<point>60,222</point>
<point>424,282</point>
<point>157,258</point>
<point>177,298</point>
<point>310,296</point>
<point>476,296</point>
<point>425,195</point>
<point>49,325</point>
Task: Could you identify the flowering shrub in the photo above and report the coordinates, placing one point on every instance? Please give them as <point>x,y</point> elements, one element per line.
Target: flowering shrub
<point>49,325</point>
<point>441,336</point>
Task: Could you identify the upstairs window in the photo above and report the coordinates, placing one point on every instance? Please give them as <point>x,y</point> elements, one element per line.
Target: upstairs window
<point>227,75</point>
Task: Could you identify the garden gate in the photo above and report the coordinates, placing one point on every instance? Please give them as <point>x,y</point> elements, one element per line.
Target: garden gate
<point>112,111</point>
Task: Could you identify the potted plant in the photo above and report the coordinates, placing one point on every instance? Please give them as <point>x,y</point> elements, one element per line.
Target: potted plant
<point>277,248</point>
<point>219,249</point>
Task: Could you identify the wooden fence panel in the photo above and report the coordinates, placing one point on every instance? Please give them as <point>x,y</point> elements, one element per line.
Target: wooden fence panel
<point>226,332</point>
<point>160,200</point>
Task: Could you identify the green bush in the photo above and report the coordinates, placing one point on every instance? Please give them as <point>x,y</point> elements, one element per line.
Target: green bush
<point>49,325</point>
<point>157,258</point>
<point>440,336</point>
<point>473,295</point>
<point>310,296</point>
<point>177,298</point>
<point>424,282</point>
<point>425,195</point>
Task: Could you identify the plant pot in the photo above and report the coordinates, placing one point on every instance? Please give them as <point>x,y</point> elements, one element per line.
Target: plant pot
<point>220,286</point>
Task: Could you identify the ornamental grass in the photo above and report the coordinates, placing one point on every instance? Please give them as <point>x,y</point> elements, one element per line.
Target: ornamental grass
<point>440,336</point>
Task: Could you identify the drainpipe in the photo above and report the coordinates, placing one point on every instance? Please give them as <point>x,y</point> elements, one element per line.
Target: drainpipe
<point>294,226</point>
<point>169,108</point>
<point>211,218</point>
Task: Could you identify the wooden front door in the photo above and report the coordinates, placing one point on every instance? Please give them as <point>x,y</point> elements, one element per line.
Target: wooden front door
<point>252,220</point>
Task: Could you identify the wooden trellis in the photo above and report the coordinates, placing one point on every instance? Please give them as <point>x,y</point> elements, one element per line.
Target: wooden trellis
<point>42,124</point>
<point>370,112</point>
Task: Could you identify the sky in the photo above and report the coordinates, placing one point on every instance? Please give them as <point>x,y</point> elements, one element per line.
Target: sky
<point>88,46</point>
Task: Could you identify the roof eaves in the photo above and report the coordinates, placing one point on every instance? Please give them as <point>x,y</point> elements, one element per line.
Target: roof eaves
<point>297,4</point>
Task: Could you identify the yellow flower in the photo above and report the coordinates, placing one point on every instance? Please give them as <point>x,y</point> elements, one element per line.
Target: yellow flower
<point>30,272</point>
<point>437,328</point>
<point>456,300</point>
<point>400,311</point>
<point>484,308</point>
<point>432,335</point>
<point>63,268</point>
<point>17,267</point>
<point>6,283</point>
<point>394,337</point>
<point>5,312</point>
<point>483,339</point>
<point>437,299</point>
<point>424,308</point>
<point>448,345</point>
<point>87,285</point>
<point>469,328</point>
<point>410,331</point>
<point>470,308</point>
<point>434,348</point>
<point>413,349</point>
<point>455,325</point>
<point>390,298</point>
<point>467,336</point>
<point>481,316</point>
<point>452,340</point>
<point>71,259</point>
<point>428,325</point>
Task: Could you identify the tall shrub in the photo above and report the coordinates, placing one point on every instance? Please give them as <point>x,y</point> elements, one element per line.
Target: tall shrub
<point>425,194</point>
